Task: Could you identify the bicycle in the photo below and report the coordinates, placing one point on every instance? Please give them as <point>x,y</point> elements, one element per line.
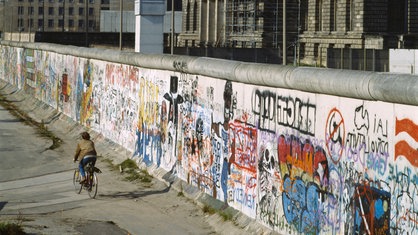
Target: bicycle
<point>91,183</point>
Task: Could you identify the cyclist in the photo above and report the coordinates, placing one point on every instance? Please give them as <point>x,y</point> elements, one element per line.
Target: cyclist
<point>86,152</point>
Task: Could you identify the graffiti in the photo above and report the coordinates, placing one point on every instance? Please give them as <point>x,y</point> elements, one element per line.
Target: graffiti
<point>368,144</point>
<point>262,155</point>
<point>269,181</point>
<point>180,65</point>
<point>405,147</point>
<point>372,209</point>
<point>242,181</point>
<point>335,134</point>
<point>272,110</point>
<point>297,158</point>
<point>300,204</point>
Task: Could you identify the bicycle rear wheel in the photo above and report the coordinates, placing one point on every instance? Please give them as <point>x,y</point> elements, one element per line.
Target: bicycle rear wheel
<point>94,183</point>
<point>76,181</point>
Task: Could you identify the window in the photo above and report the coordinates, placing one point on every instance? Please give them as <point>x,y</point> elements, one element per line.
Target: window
<point>61,11</point>
<point>40,24</point>
<point>318,15</point>
<point>30,23</point>
<point>91,1</point>
<point>20,10</point>
<point>70,23</point>
<point>188,18</point>
<point>177,5</point>
<point>91,11</point>
<point>20,24</point>
<point>51,0</point>
<point>50,23</point>
<point>105,1</point>
<point>333,16</point>
<point>61,23</point>
<point>30,10</point>
<point>81,1</point>
<point>81,24</point>
<point>50,10</point>
<point>40,11</point>
<point>91,24</point>
<point>71,11</point>
<point>81,11</point>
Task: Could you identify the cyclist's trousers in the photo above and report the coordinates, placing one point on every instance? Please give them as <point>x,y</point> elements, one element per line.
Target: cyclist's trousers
<point>84,161</point>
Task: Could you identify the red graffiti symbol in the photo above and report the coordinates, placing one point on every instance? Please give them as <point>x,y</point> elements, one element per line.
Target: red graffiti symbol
<point>335,134</point>
<point>402,147</point>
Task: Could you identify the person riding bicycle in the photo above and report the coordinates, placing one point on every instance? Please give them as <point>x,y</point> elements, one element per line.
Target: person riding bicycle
<point>86,152</point>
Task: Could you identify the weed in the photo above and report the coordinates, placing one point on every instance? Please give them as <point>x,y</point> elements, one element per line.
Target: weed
<point>133,173</point>
<point>208,209</point>
<point>11,228</point>
<point>225,215</point>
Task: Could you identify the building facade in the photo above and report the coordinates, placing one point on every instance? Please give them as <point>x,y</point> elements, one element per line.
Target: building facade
<point>357,24</point>
<point>312,26</point>
<point>29,16</point>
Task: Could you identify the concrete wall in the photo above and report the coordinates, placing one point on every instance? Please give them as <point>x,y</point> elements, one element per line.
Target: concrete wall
<point>297,149</point>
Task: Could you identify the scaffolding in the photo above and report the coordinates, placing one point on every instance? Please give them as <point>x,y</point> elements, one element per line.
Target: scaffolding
<point>259,23</point>
<point>248,22</point>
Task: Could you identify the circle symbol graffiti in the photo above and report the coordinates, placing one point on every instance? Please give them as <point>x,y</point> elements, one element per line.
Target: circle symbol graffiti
<point>335,135</point>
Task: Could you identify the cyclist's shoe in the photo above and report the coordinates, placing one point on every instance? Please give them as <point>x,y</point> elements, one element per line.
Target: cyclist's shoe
<point>83,179</point>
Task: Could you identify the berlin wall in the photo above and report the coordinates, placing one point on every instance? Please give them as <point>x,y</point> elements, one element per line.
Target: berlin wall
<point>300,150</point>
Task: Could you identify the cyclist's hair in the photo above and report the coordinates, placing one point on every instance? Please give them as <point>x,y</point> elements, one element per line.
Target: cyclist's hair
<point>85,135</point>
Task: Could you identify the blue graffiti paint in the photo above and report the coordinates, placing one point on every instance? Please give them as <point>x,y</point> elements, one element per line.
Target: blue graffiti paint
<point>378,209</point>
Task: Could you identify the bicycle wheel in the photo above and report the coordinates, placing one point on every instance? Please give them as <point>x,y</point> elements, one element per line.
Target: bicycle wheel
<point>93,185</point>
<point>76,181</point>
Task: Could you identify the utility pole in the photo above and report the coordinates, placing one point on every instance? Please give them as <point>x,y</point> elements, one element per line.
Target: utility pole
<point>87,23</point>
<point>29,17</point>
<point>121,24</point>
<point>284,33</point>
<point>172,27</point>
<point>63,15</point>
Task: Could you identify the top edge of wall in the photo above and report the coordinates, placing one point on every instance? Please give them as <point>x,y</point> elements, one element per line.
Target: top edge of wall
<point>386,87</point>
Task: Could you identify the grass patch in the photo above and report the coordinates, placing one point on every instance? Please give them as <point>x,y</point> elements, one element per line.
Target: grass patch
<point>226,215</point>
<point>208,209</point>
<point>41,129</point>
<point>132,172</point>
<point>11,228</point>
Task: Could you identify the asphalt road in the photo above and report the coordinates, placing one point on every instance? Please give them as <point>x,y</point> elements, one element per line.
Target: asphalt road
<point>36,190</point>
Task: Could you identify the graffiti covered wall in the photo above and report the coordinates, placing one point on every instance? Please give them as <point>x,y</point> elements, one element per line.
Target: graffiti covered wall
<point>295,161</point>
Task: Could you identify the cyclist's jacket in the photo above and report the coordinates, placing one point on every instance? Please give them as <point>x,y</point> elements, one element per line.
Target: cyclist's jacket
<point>84,148</point>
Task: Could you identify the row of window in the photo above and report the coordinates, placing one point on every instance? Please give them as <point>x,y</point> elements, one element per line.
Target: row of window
<point>21,11</point>
<point>71,1</point>
<point>51,23</point>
